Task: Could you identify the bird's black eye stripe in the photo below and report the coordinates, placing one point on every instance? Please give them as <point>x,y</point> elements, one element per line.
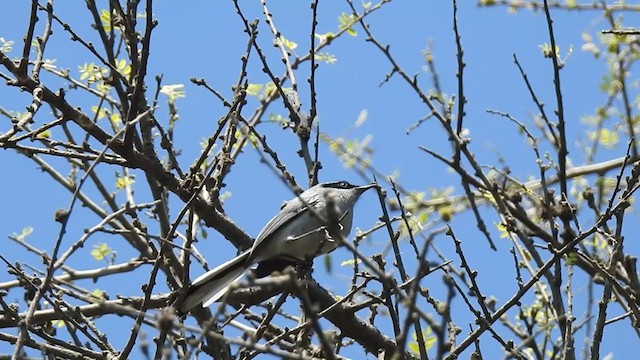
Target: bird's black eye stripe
<point>339,185</point>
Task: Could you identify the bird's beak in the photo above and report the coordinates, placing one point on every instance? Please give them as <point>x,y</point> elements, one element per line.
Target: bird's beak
<point>364,188</point>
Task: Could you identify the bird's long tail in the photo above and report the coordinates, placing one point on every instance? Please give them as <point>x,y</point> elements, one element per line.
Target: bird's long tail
<point>210,286</point>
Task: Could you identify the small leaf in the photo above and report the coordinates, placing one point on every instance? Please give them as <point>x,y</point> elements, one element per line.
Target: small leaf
<point>91,72</point>
<point>592,48</point>
<point>123,67</point>
<point>426,338</point>
<point>350,262</point>
<point>571,258</point>
<point>605,137</point>
<point>346,21</point>
<point>102,112</point>
<point>326,58</point>
<point>103,88</point>
<point>5,46</point>
<point>446,213</point>
<point>244,133</point>
<point>325,37</point>
<point>173,92</point>
<point>57,323</point>
<point>85,70</point>
<point>547,50</point>
<point>224,196</point>
<point>597,243</point>
<point>254,89</point>
<point>489,197</point>
<point>23,235</point>
<point>97,296</point>
<point>504,233</point>
<point>270,89</point>
<point>44,134</point>
<point>362,117</point>
<point>105,18</point>
<point>277,118</point>
<point>115,119</point>
<point>124,181</point>
<point>288,43</point>
<point>100,251</point>
<point>49,64</point>
<point>328,266</point>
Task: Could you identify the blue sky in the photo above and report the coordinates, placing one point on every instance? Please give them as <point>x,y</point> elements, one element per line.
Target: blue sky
<point>204,39</point>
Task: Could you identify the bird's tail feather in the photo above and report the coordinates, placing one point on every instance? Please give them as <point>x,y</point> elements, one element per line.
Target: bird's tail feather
<point>210,286</point>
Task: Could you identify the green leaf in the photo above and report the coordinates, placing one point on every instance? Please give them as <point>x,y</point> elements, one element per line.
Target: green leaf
<point>91,72</point>
<point>326,58</point>
<point>85,70</point>
<point>97,296</point>
<point>115,119</point>
<point>103,88</point>
<point>504,233</point>
<point>597,243</point>
<point>173,92</point>
<point>277,118</point>
<point>249,135</point>
<point>325,37</point>
<point>105,18</point>
<point>346,21</point>
<point>608,138</point>
<point>102,112</point>
<point>445,213</point>
<point>591,48</point>
<point>57,323</point>
<point>270,89</point>
<point>605,137</point>
<point>426,338</point>
<point>362,117</point>
<point>124,181</point>
<point>350,262</point>
<point>547,51</point>
<point>100,251</point>
<point>571,258</point>
<point>352,152</point>
<point>6,45</point>
<point>415,223</point>
<point>123,67</point>
<point>254,89</point>
<point>49,64</point>
<point>44,134</point>
<point>23,235</point>
<point>288,43</point>
<point>328,265</point>
<point>224,196</point>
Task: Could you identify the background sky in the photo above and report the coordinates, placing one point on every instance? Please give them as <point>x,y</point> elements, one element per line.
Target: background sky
<point>205,39</point>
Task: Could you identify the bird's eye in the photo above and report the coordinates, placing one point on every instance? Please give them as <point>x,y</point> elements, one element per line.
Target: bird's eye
<point>344,185</point>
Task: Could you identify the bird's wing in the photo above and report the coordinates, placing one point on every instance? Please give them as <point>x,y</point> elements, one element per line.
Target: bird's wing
<point>292,210</point>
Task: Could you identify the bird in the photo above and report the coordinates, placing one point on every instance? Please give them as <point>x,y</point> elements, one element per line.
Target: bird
<point>298,233</point>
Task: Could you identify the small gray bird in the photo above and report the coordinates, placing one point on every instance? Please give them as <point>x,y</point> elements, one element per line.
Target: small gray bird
<point>297,233</point>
